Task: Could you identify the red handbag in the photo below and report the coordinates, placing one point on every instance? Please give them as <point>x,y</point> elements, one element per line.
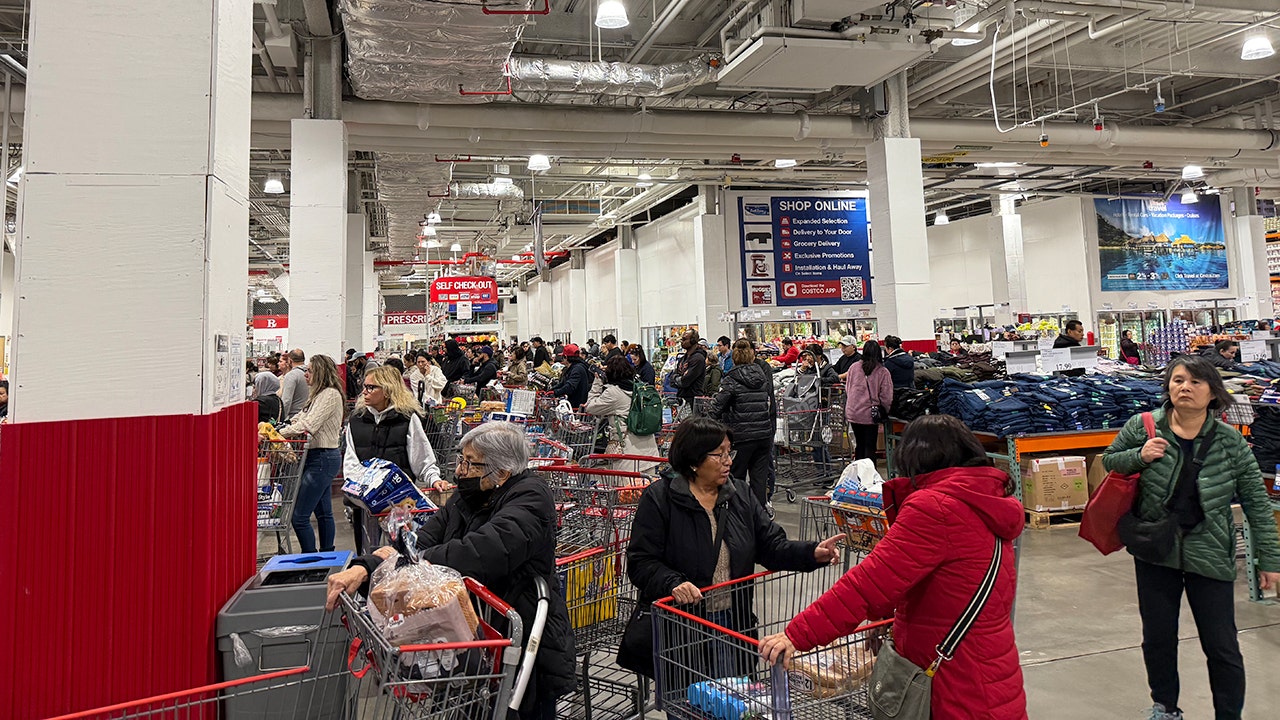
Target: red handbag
<point>1113,499</point>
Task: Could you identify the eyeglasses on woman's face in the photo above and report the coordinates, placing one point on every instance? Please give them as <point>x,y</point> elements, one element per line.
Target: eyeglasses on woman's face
<point>371,388</point>
<point>465,464</point>
<point>725,458</point>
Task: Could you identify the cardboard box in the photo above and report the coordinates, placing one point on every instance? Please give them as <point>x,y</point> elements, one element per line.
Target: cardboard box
<point>1057,483</point>
<point>1097,473</point>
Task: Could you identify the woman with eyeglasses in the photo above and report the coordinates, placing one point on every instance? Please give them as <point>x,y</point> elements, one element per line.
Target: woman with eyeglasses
<point>696,526</point>
<point>386,425</point>
<point>499,528</point>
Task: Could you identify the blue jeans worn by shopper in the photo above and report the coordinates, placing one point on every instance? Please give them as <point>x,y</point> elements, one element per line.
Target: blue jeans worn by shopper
<point>315,496</point>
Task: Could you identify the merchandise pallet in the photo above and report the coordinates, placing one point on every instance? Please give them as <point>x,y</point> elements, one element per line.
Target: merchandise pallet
<point>1055,518</point>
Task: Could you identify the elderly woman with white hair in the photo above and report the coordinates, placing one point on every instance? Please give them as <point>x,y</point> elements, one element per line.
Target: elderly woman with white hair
<point>499,528</point>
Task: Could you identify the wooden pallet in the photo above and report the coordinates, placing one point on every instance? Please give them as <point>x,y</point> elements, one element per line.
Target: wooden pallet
<point>1043,520</point>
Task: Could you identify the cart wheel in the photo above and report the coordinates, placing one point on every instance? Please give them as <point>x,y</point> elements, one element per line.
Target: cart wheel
<point>791,496</point>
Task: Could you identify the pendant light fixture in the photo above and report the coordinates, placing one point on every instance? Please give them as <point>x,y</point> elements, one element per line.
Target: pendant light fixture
<point>611,15</point>
<point>1189,197</point>
<point>539,163</point>
<point>644,180</point>
<point>433,218</point>
<point>1192,172</point>
<point>274,184</point>
<point>963,13</point>
<point>456,247</point>
<point>1257,47</point>
<point>432,244</point>
<point>941,218</point>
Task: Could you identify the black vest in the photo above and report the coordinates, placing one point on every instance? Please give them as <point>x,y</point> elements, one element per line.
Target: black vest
<point>388,440</point>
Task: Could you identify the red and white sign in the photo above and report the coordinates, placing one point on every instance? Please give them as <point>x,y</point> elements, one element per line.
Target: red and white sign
<point>812,289</point>
<point>404,318</point>
<point>270,322</point>
<point>478,290</point>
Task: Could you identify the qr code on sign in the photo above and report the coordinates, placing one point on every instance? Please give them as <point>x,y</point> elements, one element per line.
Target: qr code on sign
<point>852,289</point>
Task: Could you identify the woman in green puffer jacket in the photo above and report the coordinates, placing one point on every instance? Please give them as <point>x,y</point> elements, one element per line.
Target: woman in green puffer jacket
<point>1203,560</point>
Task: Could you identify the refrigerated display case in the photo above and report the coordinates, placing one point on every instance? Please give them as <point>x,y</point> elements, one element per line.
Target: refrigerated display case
<point>1142,323</point>
<point>1216,314</point>
<point>863,329</point>
<point>773,332</point>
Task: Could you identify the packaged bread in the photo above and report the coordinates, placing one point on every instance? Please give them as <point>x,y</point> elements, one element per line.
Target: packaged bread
<point>831,671</point>
<point>412,588</point>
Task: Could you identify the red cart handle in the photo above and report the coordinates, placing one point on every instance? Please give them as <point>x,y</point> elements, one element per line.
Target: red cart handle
<point>351,659</point>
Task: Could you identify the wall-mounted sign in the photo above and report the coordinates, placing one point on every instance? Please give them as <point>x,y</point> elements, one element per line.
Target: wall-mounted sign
<point>270,322</point>
<point>803,250</point>
<point>1161,245</point>
<point>404,318</point>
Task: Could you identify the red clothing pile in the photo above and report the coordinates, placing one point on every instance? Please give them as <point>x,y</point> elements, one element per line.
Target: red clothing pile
<point>927,568</point>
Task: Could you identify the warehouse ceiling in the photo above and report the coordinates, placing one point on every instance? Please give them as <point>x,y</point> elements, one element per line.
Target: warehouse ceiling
<point>455,96</point>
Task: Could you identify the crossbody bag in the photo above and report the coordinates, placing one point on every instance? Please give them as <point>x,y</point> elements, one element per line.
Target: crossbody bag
<point>900,689</point>
<point>1153,540</point>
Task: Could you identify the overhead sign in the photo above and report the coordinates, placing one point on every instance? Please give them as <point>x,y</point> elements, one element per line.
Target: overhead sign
<point>481,292</point>
<point>270,322</point>
<point>804,249</point>
<point>1161,245</point>
<point>404,318</point>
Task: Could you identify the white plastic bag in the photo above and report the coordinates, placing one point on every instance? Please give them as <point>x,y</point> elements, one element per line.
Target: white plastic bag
<point>861,475</point>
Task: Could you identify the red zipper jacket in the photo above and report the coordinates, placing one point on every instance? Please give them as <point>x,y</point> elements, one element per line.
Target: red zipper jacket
<point>927,568</point>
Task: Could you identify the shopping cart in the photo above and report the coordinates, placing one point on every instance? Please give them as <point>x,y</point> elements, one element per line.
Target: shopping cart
<point>594,506</point>
<point>472,680</point>
<point>647,464</point>
<point>805,441</point>
<point>707,654</point>
<point>443,429</point>
<point>577,430</point>
<point>820,518</point>
<point>545,452</point>
<point>606,691</point>
<point>280,465</point>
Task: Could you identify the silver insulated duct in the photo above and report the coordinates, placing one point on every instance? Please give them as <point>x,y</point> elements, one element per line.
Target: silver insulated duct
<point>485,191</point>
<point>609,78</point>
<point>409,186</point>
<point>429,51</point>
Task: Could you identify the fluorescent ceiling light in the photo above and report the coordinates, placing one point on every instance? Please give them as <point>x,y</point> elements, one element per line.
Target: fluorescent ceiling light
<point>455,248</point>
<point>17,175</point>
<point>941,218</point>
<point>963,13</point>
<point>274,185</point>
<point>433,218</point>
<point>1192,172</point>
<point>1189,197</point>
<point>539,162</point>
<point>784,163</point>
<point>502,180</point>
<point>611,15</point>
<point>644,180</point>
<point>997,164</point>
<point>1256,47</point>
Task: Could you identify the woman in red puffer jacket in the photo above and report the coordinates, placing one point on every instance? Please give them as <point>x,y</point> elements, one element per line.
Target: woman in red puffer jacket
<point>945,517</point>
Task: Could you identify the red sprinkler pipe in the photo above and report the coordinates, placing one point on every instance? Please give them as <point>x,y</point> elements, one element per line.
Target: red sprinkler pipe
<point>463,91</point>
<point>546,10</point>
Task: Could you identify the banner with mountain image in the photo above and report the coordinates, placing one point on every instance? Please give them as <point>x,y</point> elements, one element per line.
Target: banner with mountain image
<point>1161,245</point>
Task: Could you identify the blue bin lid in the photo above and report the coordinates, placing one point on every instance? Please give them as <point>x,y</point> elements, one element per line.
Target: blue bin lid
<point>307,561</point>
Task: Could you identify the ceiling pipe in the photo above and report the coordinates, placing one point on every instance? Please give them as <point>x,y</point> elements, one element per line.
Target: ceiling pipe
<point>660,23</point>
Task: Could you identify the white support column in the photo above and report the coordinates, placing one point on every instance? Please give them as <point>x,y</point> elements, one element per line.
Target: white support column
<point>157,174</point>
<point>1008,274</point>
<point>318,237</point>
<point>626,274</point>
<point>900,271</point>
<point>1251,256</point>
<point>370,306</point>
<point>577,298</point>
<point>357,237</point>
<point>713,282</point>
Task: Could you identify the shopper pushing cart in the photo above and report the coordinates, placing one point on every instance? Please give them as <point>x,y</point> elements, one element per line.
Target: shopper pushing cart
<point>498,528</point>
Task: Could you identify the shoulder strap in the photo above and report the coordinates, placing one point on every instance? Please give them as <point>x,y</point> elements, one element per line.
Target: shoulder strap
<point>947,648</point>
<point>1205,444</point>
<point>1149,422</point>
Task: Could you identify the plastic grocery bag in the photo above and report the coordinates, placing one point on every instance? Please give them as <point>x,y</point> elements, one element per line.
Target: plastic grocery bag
<point>420,604</point>
<point>861,475</point>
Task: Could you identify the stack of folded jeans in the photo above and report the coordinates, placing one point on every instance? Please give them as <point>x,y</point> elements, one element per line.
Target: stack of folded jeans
<point>1036,404</point>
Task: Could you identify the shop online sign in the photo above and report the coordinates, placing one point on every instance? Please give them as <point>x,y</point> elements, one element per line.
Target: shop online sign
<point>804,249</point>
<point>481,292</point>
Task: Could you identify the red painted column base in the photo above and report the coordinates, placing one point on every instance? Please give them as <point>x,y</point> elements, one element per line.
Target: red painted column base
<point>124,538</point>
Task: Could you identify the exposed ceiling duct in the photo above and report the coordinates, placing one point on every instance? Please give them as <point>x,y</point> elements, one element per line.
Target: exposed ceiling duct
<point>409,186</point>
<point>485,191</point>
<point>609,78</point>
<point>424,51</point>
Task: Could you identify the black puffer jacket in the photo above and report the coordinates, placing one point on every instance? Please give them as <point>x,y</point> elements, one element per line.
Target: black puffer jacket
<point>455,366</point>
<point>575,383</point>
<point>691,373</point>
<point>671,543</point>
<point>505,545</point>
<point>746,403</point>
<point>484,374</point>
<point>902,368</point>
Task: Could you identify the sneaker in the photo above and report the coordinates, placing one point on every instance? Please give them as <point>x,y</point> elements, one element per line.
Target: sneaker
<point>768,507</point>
<point>1159,713</point>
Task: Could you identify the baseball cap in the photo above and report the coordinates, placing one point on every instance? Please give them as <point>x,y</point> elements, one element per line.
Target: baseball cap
<point>570,350</point>
<point>848,340</point>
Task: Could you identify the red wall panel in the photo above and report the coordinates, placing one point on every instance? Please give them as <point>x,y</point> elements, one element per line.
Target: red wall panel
<point>125,538</point>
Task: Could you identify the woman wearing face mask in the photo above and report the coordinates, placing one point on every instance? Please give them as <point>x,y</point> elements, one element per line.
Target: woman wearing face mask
<point>499,528</point>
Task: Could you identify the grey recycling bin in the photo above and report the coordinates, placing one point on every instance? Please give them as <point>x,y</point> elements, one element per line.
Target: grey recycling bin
<point>273,622</point>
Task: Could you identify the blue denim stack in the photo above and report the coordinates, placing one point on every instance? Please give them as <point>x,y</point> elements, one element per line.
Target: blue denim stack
<point>1034,404</point>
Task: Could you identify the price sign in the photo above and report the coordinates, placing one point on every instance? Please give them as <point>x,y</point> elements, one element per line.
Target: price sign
<point>1045,344</point>
<point>1000,349</point>
<point>1108,306</point>
<point>1056,360</point>
<point>1253,350</point>
<point>1021,363</point>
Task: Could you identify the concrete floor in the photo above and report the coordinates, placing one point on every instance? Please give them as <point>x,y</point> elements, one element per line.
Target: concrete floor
<point>1080,636</point>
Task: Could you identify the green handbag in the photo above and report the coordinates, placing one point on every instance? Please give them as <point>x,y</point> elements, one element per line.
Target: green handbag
<point>900,689</point>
